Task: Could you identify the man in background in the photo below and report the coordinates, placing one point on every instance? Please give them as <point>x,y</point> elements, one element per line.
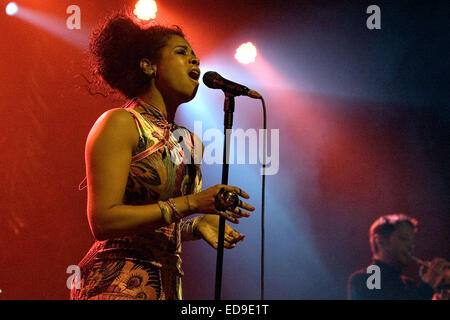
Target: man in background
<point>392,243</point>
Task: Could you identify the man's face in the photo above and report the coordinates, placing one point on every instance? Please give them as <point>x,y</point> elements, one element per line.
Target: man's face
<point>398,249</point>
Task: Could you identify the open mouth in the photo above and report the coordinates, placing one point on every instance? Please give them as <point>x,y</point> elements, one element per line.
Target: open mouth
<point>194,74</point>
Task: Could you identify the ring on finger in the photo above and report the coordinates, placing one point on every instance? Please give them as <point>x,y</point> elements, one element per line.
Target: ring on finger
<point>226,200</point>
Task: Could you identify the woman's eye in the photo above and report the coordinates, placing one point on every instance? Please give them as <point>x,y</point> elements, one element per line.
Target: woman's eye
<point>181,51</point>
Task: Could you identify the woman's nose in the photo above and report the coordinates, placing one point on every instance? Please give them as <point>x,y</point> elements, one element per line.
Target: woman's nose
<point>195,60</point>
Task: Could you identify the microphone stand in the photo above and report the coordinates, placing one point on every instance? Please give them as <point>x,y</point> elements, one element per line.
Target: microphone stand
<point>228,124</point>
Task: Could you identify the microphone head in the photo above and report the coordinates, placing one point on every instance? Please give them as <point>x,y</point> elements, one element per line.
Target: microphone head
<point>214,80</point>
<point>210,78</point>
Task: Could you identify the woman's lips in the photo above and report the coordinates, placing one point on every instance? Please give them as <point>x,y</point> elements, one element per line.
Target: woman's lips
<point>194,74</point>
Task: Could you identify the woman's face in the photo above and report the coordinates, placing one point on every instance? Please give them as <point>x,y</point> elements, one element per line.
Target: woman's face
<point>178,71</point>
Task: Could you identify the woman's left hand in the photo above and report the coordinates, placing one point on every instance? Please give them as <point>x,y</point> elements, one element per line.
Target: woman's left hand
<point>208,228</point>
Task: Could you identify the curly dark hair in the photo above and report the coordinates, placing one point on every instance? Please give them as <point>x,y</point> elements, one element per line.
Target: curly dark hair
<point>118,46</point>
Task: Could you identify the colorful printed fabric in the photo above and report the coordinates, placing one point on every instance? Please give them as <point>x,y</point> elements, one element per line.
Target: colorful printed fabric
<point>147,266</point>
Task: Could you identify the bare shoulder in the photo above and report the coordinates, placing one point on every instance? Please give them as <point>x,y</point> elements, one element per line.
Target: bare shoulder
<point>115,124</point>
<point>117,118</point>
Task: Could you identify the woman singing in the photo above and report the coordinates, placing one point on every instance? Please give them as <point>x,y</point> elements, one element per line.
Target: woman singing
<point>141,175</point>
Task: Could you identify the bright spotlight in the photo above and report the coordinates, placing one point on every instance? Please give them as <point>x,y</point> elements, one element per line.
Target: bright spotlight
<point>11,8</point>
<point>246,53</point>
<point>145,9</point>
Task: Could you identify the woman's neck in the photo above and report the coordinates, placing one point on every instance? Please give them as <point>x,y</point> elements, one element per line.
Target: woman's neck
<point>156,100</point>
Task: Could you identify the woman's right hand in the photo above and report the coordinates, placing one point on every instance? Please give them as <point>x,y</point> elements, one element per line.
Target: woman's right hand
<point>204,202</point>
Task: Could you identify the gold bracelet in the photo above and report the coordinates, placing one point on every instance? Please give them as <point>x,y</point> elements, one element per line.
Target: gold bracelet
<point>166,212</point>
<point>176,215</point>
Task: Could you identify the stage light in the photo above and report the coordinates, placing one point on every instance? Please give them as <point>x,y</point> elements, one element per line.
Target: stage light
<point>246,53</point>
<point>145,10</point>
<point>12,9</point>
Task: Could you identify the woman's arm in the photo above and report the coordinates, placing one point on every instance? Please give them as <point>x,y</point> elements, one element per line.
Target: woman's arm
<point>108,158</point>
<point>109,150</point>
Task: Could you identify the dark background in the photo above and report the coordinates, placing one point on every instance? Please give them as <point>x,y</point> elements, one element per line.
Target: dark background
<point>364,124</point>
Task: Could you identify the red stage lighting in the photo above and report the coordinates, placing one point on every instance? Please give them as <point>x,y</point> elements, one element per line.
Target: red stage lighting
<point>246,53</point>
<point>145,10</point>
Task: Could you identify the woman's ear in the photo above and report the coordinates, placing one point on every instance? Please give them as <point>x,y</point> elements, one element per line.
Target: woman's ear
<point>147,67</point>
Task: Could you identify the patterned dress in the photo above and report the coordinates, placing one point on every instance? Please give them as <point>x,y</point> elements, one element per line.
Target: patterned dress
<point>146,266</point>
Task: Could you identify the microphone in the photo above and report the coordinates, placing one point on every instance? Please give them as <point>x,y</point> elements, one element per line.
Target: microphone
<point>214,80</point>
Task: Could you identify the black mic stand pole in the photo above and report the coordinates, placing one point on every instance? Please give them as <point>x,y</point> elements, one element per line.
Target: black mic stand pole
<point>228,124</point>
